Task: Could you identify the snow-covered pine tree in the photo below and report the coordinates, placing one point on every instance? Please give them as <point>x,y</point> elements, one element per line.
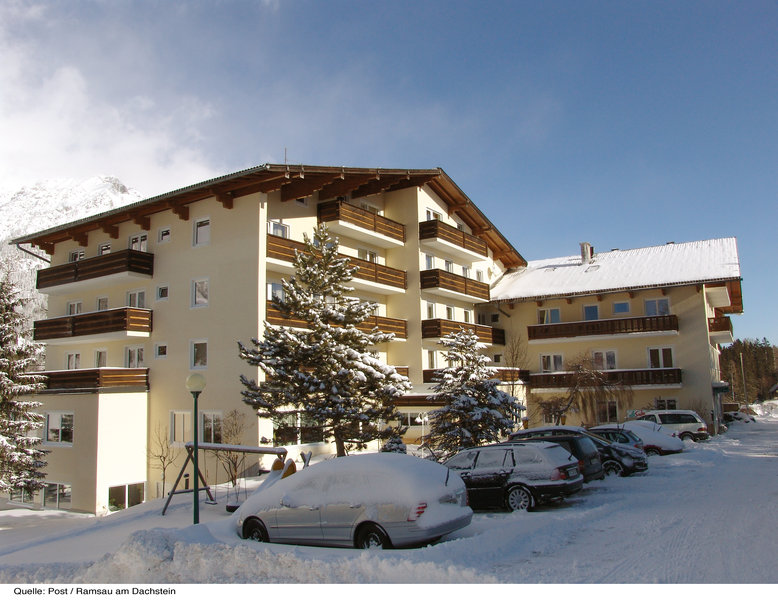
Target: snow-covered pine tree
<point>475,410</point>
<point>20,457</point>
<point>326,371</point>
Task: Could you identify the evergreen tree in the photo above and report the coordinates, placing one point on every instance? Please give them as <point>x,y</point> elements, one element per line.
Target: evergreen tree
<point>475,410</point>
<point>758,366</point>
<point>325,371</point>
<point>20,457</point>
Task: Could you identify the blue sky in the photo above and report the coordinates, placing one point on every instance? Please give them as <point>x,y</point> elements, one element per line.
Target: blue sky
<point>625,124</point>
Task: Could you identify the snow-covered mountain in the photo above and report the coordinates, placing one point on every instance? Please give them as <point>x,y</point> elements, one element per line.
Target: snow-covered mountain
<point>48,204</point>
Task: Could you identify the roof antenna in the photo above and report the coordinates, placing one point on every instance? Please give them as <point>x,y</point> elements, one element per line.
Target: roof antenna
<point>285,156</point>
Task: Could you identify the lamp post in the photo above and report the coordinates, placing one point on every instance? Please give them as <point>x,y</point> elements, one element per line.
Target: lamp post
<point>195,383</point>
<point>423,418</point>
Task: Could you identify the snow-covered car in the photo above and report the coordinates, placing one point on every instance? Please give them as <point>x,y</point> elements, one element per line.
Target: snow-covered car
<point>686,424</point>
<point>618,434</point>
<point>656,439</point>
<point>383,500</point>
<point>516,476</point>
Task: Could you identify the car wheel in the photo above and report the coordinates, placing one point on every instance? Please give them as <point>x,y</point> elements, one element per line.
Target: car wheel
<point>519,498</point>
<point>611,467</point>
<point>652,452</point>
<point>254,529</point>
<point>687,437</point>
<point>372,536</point>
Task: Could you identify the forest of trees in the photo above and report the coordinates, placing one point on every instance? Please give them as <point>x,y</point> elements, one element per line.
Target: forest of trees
<point>758,366</point>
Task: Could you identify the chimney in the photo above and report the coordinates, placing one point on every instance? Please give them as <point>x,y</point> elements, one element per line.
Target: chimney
<point>587,253</point>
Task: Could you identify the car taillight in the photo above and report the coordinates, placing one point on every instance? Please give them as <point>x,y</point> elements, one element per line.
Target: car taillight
<point>581,465</point>
<point>558,474</point>
<point>702,428</point>
<point>417,511</point>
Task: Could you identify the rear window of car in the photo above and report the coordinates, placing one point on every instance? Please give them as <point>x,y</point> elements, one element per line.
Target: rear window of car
<point>587,445</point>
<point>559,455</point>
<point>463,460</point>
<point>524,455</point>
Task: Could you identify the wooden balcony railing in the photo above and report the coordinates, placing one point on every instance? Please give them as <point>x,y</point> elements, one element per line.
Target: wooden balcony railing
<point>603,327</point>
<point>399,327</point>
<point>720,324</point>
<point>502,373</point>
<point>438,278</point>
<point>436,328</point>
<point>94,380</point>
<point>403,371</point>
<point>123,261</point>
<point>283,249</point>
<point>338,210</point>
<point>434,229</point>
<point>626,377</point>
<point>104,321</point>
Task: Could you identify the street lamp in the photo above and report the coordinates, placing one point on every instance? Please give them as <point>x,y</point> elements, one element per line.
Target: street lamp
<point>423,418</point>
<point>195,383</point>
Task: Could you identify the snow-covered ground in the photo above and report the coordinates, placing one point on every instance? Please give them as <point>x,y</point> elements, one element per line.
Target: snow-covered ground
<point>707,515</point>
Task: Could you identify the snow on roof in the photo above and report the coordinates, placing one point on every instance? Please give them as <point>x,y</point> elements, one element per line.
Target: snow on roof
<point>672,264</point>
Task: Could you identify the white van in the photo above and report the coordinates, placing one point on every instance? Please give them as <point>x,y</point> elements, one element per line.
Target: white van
<point>685,424</point>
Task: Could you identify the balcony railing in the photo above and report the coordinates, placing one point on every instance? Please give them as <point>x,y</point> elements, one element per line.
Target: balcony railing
<point>436,328</point>
<point>603,327</point>
<point>399,327</point>
<point>338,210</point>
<point>123,261</point>
<point>95,380</point>
<point>438,278</point>
<point>283,249</point>
<point>437,230</point>
<point>634,377</point>
<point>504,374</point>
<point>720,325</point>
<point>128,320</point>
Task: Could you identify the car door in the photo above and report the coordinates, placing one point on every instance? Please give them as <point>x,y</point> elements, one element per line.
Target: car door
<point>492,468</point>
<point>298,516</point>
<point>343,506</point>
<point>462,464</point>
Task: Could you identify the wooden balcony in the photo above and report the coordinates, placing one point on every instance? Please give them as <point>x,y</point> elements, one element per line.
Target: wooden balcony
<point>96,380</point>
<point>119,265</point>
<point>636,377</point>
<point>403,371</point>
<point>627,326</point>
<point>437,328</point>
<point>451,240</point>
<point>451,285</point>
<point>369,276</point>
<point>119,323</point>
<point>504,374</point>
<point>353,221</point>
<point>399,327</point>
<point>720,330</point>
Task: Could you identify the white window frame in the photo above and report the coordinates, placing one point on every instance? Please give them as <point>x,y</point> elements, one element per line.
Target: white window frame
<point>206,415</point>
<point>158,347</point>
<point>429,262</point>
<point>466,271</point>
<point>59,414</point>
<point>595,307</point>
<point>101,352</point>
<point>467,316</point>
<point>100,299</point>
<point>450,313</point>
<point>164,298</point>
<point>184,419</point>
<point>431,309</point>
<point>136,298</point>
<point>193,298</point>
<point>72,361</point>
<point>656,302</point>
<point>433,215</point>
<point>554,360</point>
<point>134,357</point>
<point>432,359</point>
<point>192,352</point>
<point>198,239</point>
<point>448,266</point>
<point>660,350</point>
<point>282,231</point>
<point>621,312</point>
<point>164,234</point>
<point>103,249</point>
<point>479,275</point>
<point>75,308</point>
<point>275,289</point>
<point>76,255</point>
<point>605,354</point>
<point>139,242</point>
<point>545,315</point>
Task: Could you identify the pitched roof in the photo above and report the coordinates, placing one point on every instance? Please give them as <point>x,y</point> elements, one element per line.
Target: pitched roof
<point>703,262</point>
<point>293,181</point>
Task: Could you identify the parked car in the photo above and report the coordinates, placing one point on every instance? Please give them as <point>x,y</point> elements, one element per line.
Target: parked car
<point>516,476</point>
<point>617,459</point>
<point>686,424</point>
<point>381,500</point>
<point>655,438</point>
<point>617,434</point>
<point>580,446</point>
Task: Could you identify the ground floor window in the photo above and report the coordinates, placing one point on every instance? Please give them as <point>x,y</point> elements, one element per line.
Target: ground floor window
<point>59,427</point>
<point>124,496</point>
<point>607,412</point>
<point>21,496</point>
<point>57,495</point>
<point>665,404</point>
<point>296,428</point>
<point>212,427</point>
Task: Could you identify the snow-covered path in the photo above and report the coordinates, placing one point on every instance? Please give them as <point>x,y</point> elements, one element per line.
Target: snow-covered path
<point>705,516</point>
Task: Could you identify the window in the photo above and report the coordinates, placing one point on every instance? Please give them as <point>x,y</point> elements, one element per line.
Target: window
<point>550,362</point>
<point>658,307</point>
<point>429,261</point>
<point>278,228</point>
<point>495,317</point>
<point>72,361</point>
<point>481,318</point>
<point>103,249</point>
<point>466,272</point>
<point>75,308</point>
<point>497,359</point>
<point>199,355</point>
<point>21,496</point>
<point>368,255</point>
<point>591,312</point>
<point>211,423</point>
<point>202,232</point>
<point>102,303</point>
<point>449,266</point>
<point>101,358</point>
<point>548,315</point>
<point>276,291</point>
<point>163,292</point>
<point>660,358</point>
<point>133,357</point>
<point>57,496</point>
<point>160,351</point>
<point>59,427</point>
<point>124,496</point>
<point>136,299</point>
<point>479,275</point>
<point>301,201</point>
<point>370,208</point>
<point>604,359</point>
<point>139,242</point>
<point>180,426</point>
<point>76,255</point>
<point>430,310</point>
<point>491,459</point>
<point>433,215</point>
<point>467,316</point>
<point>463,461</point>
<point>450,313</point>
<point>665,403</point>
<point>163,235</point>
<point>620,308</point>
<point>199,293</point>
<point>607,412</point>
<point>431,361</point>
